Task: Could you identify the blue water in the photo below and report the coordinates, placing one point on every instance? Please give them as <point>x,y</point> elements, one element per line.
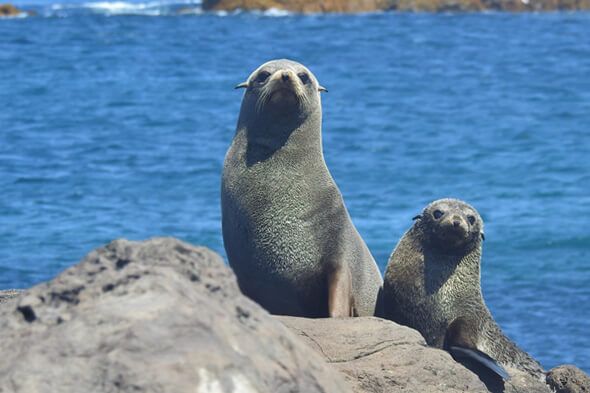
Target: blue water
<point>115,119</point>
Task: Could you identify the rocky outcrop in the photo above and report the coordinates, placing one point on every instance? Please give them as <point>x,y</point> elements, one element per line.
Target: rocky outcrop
<point>163,315</point>
<point>437,5</point>
<point>376,355</point>
<point>8,10</point>
<point>568,379</point>
<point>379,356</point>
<point>299,6</point>
<point>352,6</point>
<point>157,316</point>
<point>11,10</point>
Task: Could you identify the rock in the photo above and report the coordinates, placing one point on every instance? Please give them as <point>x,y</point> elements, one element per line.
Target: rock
<point>437,5</point>
<point>299,6</point>
<point>376,355</point>
<point>521,382</point>
<point>352,6</point>
<point>568,379</point>
<point>7,294</point>
<point>379,356</point>
<point>8,10</point>
<point>163,315</point>
<point>152,316</point>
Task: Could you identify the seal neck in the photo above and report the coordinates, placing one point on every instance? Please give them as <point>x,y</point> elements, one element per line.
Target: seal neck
<point>442,263</point>
<point>267,134</point>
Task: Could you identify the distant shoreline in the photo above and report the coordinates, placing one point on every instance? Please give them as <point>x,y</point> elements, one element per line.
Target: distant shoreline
<point>347,6</point>
<point>356,6</point>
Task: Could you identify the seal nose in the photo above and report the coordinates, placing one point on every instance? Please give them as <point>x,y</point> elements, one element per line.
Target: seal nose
<point>285,76</point>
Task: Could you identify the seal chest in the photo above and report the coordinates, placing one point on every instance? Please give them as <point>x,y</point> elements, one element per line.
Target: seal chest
<point>432,284</point>
<point>286,230</point>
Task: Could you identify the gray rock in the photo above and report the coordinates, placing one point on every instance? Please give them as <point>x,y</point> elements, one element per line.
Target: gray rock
<point>156,316</point>
<point>568,379</point>
<point>521,382</point>
<point>376,355</point>
<point>379,356</point>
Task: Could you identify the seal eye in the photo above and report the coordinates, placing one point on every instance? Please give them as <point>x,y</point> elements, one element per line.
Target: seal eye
<point>471,220</point>
<point>304,77</point>
<point>437,214</point>
<point>262,76</point>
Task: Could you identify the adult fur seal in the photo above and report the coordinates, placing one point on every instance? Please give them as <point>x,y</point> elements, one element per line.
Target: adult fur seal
<point>432,284</point>
<point>286,231</point>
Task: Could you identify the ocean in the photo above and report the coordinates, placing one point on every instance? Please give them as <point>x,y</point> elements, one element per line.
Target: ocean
<point>115,119</point>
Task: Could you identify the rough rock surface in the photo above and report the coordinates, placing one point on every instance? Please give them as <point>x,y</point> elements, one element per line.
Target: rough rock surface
<point>163,315</point>
<point>376,355</point>
<point>568,379</point>
<point>356,6</point>
<point>7,294</point>
<point>156,316</point>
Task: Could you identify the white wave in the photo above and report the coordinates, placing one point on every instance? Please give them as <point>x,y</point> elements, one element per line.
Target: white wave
<point>127,8</point>
<point>20,15</point>
<point>271,12</point>
<point>276,12</point>
<point>120,7</point>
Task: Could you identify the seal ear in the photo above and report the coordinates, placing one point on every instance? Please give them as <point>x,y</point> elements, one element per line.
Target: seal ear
<point>419,216</point>
<point>243,84</point>
<point>322,88</point>
<point>483,236</point>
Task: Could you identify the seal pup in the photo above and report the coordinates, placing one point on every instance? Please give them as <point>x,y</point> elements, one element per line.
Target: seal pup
<point>286,230</point>
<point>432,284</point>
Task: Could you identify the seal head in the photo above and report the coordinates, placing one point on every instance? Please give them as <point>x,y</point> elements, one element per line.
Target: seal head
<point>277,87</point>
<point>451,225</point>
<point>281,95</point>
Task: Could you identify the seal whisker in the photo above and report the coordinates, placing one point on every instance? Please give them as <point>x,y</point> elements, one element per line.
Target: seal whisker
<point>263,100</point>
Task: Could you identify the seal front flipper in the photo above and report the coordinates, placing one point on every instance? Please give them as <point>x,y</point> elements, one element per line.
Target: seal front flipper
<point>478,356</point>
<point>460,341</point>
<point>340,300</point>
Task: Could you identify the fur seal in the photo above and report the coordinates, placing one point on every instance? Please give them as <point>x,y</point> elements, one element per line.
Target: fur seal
<point>432,284</point>
<point>286,230</point>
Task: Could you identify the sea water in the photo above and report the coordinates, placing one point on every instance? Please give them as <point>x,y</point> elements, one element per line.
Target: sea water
<point>115,118</point>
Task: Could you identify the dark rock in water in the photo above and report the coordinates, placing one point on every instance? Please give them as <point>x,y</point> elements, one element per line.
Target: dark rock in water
<point>380,356</point>
<point>568,379</point>
<point>154,316</point>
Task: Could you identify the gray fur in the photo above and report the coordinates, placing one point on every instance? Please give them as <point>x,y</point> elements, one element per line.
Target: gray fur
<point>432,279</point>
<point>285,225</point>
